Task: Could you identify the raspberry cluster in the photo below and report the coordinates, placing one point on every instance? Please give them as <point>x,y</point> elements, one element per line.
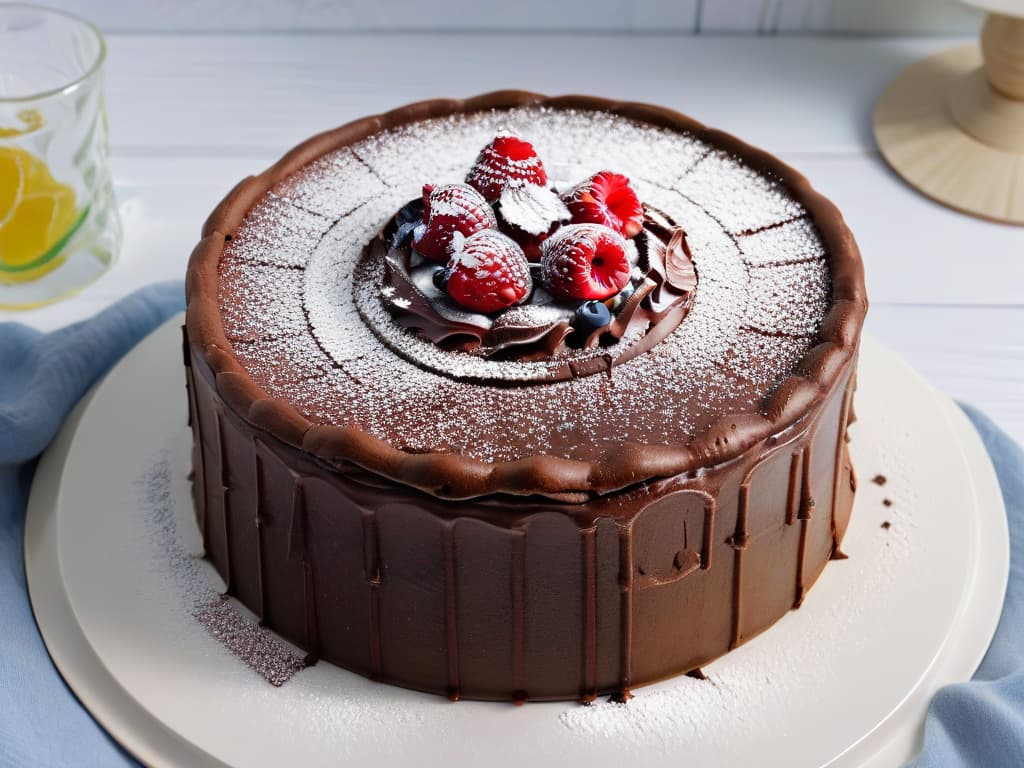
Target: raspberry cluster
<point>488,231</point>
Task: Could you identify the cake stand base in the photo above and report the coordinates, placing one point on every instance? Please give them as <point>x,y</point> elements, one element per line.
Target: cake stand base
<point>920,124</point>
<point>843,681</point>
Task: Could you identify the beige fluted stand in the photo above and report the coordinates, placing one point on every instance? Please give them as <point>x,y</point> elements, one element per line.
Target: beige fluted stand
<point>952,125</point>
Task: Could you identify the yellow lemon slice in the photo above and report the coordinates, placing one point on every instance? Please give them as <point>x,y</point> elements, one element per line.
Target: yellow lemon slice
<point>12,184</point>
<point>38,215</point>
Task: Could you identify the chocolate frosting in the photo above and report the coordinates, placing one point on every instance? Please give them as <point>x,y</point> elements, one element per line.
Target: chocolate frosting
<point>456,476</point>
<point>320,529</point>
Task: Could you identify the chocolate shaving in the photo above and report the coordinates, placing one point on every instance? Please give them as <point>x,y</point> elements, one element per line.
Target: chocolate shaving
<point>546,343</point>
<point>679,271</point>
<point>658,223</point>
<point>532,208</point>
<point>671,266</point>
<point>621,324</point>
<point>547,336</point>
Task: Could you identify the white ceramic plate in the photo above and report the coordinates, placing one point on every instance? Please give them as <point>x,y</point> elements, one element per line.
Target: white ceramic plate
<point>844,681</point>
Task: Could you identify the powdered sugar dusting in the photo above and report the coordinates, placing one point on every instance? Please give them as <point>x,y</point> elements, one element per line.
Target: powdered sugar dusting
<point>253,644</point>
<point>287,365</point>
<point>330,186</point>
<point>736,195</point>
<point>759,357</point>
<point>793,241</point>
<point>259,301</point>
<point>238,632</point>
<point>278,234</point>
<point>788,299</point>
<point>764,287</point>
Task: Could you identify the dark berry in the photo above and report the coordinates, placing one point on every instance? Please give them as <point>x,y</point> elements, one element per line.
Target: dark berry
<point>406,220</point>
<point>410,212</point>
<point>590,316</point>
<point>440,277</point>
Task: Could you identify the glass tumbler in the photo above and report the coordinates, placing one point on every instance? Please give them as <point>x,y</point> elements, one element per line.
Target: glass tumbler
<point>59,227</point>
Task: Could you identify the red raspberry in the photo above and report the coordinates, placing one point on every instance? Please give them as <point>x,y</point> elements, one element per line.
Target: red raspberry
<point>584,261</point>
<point>606,198</point>
<point>488,272</point>
<point>448,209</point>
<point>506,162</point>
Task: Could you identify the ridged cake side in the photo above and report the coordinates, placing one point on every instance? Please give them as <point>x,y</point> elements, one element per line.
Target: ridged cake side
<point>518,599</point>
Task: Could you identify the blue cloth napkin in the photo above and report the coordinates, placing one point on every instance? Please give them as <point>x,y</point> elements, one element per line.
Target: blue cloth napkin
<point>980,723</point>
<point>41,379</point>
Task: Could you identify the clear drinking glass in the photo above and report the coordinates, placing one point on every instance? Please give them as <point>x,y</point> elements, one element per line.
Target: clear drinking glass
<point>59,227</point>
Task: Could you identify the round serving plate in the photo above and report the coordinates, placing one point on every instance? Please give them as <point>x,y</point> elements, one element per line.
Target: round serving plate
<point>843,681</point>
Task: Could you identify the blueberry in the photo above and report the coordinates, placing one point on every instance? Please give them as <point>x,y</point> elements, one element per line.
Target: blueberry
<point>403,233</point>
<point>411,211</point>
<point>406,220</point>
<point>590,316</point>
<point>440,277</point>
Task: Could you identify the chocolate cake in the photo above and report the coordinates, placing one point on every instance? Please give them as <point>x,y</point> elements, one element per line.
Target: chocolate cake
<point>483,491</point>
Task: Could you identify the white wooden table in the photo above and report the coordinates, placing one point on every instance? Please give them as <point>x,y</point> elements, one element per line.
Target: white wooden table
<point>192,114</point>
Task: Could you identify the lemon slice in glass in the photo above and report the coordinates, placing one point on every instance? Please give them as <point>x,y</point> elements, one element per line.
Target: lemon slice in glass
<point>38,215</point>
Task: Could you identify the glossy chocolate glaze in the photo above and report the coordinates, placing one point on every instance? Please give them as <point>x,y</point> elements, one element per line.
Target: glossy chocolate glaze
<point>541,584</point>
<point>512,598</point>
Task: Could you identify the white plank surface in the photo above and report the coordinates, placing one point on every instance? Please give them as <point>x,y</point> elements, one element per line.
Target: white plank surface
<point>745,16</point>
<point>190,115</point>
<point>261,93</point>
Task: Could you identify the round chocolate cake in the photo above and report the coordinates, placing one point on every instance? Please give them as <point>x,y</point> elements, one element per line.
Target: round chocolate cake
<point>521,397</point>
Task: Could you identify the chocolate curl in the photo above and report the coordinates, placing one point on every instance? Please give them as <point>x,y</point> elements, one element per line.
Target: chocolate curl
<point>679,270</point>
<point>672,268</point>
<point>620,324</point>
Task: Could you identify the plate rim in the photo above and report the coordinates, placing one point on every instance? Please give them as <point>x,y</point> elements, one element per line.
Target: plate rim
<point>142,734</point>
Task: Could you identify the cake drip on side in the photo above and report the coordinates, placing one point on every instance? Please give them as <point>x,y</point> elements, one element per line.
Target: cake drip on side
<point>655,300</point>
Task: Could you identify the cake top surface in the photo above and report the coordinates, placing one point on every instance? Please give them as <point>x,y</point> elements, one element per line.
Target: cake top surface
<point>290,308</point>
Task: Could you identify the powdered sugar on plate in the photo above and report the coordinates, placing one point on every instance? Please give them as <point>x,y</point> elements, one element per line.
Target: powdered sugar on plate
<point>746,687</point>
<point>291,296</point>
<point>233,628</point>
